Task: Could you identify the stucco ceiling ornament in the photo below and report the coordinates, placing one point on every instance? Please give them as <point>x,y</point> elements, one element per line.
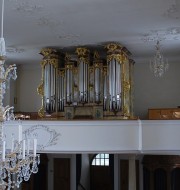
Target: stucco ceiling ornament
<point>47,21</point>
<point>13,49</point>
<point>173,11</point>
<point>27,6</point>
<point>172,33</point>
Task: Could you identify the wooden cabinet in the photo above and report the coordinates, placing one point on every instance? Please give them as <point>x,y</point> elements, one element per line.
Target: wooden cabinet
<point>164,113</point>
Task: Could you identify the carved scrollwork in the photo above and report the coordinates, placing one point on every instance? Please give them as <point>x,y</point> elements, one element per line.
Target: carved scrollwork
<point>43,131</point>
<point>54,62</point>
<point>126,86</point>
<point>117,57</point>
<point>47,52</point>
<point>83,55</point>
<point>40,89</point>
<point>41,112</point>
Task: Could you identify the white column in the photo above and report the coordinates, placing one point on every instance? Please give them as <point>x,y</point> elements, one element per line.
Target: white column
<point>132,172</point>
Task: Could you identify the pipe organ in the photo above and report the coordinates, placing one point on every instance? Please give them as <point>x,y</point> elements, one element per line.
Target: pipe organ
<point>87,84</point>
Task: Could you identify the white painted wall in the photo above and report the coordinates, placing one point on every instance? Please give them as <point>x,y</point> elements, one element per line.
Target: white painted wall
<point>146,136</point>
<point>29,77</point>
<point>79,136</point>
<point>152,92</point>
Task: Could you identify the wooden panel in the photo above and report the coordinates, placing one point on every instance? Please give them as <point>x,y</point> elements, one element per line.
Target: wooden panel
<point>154,114</point>
<point>124,174</point>
<point>61,174</point>
<point>164,113</point>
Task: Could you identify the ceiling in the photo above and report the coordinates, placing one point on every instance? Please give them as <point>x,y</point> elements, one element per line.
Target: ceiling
<point>30,25</point>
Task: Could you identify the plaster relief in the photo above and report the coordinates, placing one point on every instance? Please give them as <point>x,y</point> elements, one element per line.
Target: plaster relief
<point>45,135</point>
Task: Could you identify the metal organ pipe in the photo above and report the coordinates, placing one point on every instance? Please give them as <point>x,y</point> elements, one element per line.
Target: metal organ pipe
<point>118,86</point>
<point>110,86</point>
<point>46,87</point>
<point>69,84</point>
<point>81,81</point>
<point>50,88</point>
<point>97,84</point>
<point>83,64</point>
<point>114,85</point>
<point>60,91</point>
<point>105,92</point>
<point>114,52</point>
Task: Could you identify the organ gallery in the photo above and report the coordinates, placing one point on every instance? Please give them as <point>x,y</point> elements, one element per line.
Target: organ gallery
<point>87,83</point>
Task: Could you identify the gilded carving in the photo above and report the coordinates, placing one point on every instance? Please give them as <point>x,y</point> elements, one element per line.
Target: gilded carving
<point>96,55</point>
<point>84,60</point>
<point>104,71</point>
<point>47,51</point>
<point>43,63</point>
<point>41,112</point>
<point>125,111</point>
<point>91,70</point>
<point>75,71</point>
<point>69,66</point>
<point>117,57</point>
<point>126,86</point>
<point>82,52</point>
<point>91,87</point>
<point>61,73</point>
<point>97,65</point>
<point>67,57</point>
<point>54,62</point>
<point>40,89</point>
<point>83,55</point>
<point>113,46</point>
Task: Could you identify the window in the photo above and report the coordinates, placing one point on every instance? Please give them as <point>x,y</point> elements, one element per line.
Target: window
<point>101,160</point>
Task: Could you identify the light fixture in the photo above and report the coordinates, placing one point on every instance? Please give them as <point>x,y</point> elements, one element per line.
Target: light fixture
<point>20,162</point>
<point>158,64</point>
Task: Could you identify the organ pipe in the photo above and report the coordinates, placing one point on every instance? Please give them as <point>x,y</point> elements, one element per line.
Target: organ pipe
<point>83,65</point>
<point>69,66</point>
<point>97,78</point>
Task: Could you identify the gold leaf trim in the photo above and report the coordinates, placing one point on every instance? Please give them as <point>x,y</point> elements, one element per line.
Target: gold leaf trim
<point>40,89</point>
<point>41,112</point>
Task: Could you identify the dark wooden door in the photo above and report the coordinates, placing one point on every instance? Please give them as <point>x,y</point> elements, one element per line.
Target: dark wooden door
<point>61,174</point>
<point>124,174</point>
<point>101,178</point>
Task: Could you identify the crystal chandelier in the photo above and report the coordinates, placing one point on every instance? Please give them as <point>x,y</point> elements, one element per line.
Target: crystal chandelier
<point>20,162</point>
<point>158,64</point>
